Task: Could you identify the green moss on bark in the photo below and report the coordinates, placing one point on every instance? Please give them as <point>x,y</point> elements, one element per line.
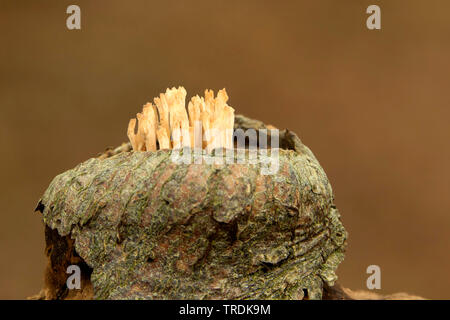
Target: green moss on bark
<point>153,229</point>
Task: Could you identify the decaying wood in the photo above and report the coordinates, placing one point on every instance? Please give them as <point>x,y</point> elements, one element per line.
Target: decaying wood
<point>144,227</point>
<point>338,292</point>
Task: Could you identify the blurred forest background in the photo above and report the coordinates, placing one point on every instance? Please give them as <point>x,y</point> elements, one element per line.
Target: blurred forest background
<point>373,106</point>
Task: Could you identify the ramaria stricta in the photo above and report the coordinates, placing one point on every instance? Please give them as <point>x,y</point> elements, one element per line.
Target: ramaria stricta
<point>166,123</point>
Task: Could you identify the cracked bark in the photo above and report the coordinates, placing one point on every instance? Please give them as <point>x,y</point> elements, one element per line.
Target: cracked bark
<point>143,227</point>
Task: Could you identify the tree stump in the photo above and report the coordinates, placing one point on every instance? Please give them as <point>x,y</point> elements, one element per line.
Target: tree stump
<point>143,227</point>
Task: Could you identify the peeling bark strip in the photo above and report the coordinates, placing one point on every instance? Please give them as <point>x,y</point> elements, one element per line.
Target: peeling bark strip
<point>152,229</point>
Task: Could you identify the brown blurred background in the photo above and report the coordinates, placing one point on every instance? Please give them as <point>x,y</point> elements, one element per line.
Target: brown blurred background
<point>373,106</point>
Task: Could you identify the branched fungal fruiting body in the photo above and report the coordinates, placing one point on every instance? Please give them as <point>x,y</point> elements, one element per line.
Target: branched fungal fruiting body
<point>167,125</point>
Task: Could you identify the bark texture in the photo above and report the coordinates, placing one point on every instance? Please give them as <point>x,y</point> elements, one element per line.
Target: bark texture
<point>145,227</point>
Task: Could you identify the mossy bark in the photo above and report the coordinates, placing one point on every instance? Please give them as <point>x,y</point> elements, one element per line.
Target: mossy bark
<point>149,228</point>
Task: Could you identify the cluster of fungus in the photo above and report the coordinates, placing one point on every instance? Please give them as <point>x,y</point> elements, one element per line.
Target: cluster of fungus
<point>207,124</point>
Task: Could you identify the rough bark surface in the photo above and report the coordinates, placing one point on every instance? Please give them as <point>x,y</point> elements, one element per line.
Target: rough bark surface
<point>148,228</point>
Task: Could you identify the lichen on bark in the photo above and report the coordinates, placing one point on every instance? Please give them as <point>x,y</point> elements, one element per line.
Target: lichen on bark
<point>150,228</point>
